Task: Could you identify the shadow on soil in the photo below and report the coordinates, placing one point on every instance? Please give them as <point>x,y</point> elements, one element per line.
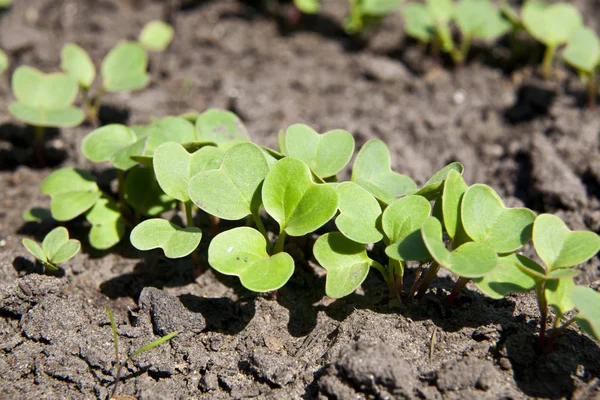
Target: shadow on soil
<point>16,148</point>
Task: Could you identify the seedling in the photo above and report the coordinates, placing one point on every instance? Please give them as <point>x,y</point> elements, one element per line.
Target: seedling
<point>56,248</point>
<point>147,347</point>
<point>560,249</point>
<point>587,302</point>
<point>553,25</point>
<point>583,53</point>
<point>44,100</point>
<point>366,12</point>
<point>156,36</point>
<point>72,192</point>
<point>308,6</point>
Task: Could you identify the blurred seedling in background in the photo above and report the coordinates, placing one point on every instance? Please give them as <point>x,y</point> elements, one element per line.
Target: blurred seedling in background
<point>551,24</point>
<point>583,54</point>
<point>560,249</point>
<point>44,100</point>
<point>4,62</point>
<point>145,348</point>
<point>56,248</point>
<point>366,12</point>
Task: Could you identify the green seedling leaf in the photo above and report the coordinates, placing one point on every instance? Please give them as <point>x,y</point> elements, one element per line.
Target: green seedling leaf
<point>108,226</point>
<point>583,50</point>
<point>418,22</point>
<point>346,262</point>
<point>124,68</point>
<point>73,192</point>
<point>176,242</point>
<point>441,10</point>
<point>379,8</point>
<point>480,19</point>
<point>359,214</point>
<point>37,215</point>
<point>401,223</point>
<point>233,191</point>
<point>470,260</point>
<point>553,24</point>
<point>558,294</point>
<point>587,302</point>
<point>35,249</point>
<point>308,6</point>
<point>531,268</point>
<point>154,344</point>
<point>242,252</point>
<point>434,185</point>
<point>44,99</point>
<point>221,127</point>
<point>104,143</point>
<point>452,196</point>
<point>174,167</point>
<point>156,36</point>
<point>325,154</point>
<point>78,65</point>
<point>56,247</point>
<point>506,278</point>
<point>143,193</point>
<point>486,220</point>
<point>372,171</point>
<point>169,129</point>
<point>299,205</point>
<point>558,246</point>
<point>4,61</point>
<point>5,3</point>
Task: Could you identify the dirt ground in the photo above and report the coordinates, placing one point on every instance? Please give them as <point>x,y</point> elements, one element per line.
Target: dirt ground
<point>532,141</point>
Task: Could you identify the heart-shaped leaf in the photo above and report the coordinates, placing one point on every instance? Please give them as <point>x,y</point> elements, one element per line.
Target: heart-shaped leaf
<point>233,191</point>
<point>124,68</point>
<point>34,249</point>
<point>401,222</point>
<point>174,167</point>
<point>325,154</point>
<point>470,260</point>
<point>221,127</point>
<point>78,65</point>
<point>58,247</point>
<point>558,246</point>
<point>372,171</point>
<point>175,241</point>
<point>558,294</point>
<point>108,226</point>
<point>103,143</point>
<point>480,19</point>
<point>506,278</point>
<point>583,50</point>
<point>452,196</point>
<point>242,252</point>
<point>486,220</point>
<point>143,193</point>
<point>434,185</point>
<point>346,262</point>
<point>551,24</point>
<point>299,205</point>
<point>44,99</point>
<point>587,302</point>
<point>156,35</point>
<point>168,129</point>
<point>73,192</point>
<point>359,214</point>
<point>441,10</point>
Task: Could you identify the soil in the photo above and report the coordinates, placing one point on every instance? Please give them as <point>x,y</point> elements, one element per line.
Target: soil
<point>532,141</point>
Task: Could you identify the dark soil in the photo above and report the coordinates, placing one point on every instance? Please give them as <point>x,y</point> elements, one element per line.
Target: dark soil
<point>533,141</point>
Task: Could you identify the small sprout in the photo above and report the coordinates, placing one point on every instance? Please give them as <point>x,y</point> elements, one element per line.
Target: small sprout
<point>56,248</point>
<point>78,65</point>
<point>108,226</point>
<point>175,241</point>
<point>583,53</point>
<point>587,302</point>
<point>221,127</point>
<point>552,25</point>
<point>37,215</point>
<point>73,192</point>
<point>372,171</point>
<point>125,68</point>
<point>325,154</point>
<point>143,193</point>
<point>359,215</point>
<point>242,252</point>
<point>308,6</point>
<point>365,12</point>
<point>156,36</point>
<point>4,62</point>
<point>232,191</point>
<point>346,262</point>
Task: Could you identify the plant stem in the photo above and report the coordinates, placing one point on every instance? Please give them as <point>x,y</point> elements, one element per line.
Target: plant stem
<point>89,107</point>
<point>260,225</point>
<point>121,186</point>
<point>458,286</point>
<point>280,242</point>
<point>189,218</point>
<point>543,306</point>
<point>397,277</point>
<point>431,273</point>
<point>547,62</point>
<point>38,145</point>
<point>415,285</point>
<point>459,56</point>
<point>94,110</point>
<point>592,93</point>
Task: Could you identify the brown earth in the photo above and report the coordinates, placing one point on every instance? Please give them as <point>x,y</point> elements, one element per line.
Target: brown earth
<point>533,141</point>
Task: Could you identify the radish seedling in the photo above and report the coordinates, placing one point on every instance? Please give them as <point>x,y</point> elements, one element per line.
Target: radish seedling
<point>587,303</point>
<point>56,248</point>
<point>156,36</point>
<point>583,53</point>
<point>308,6</point>
<point>365,12</point>
<point>360,214</point>
<point>552,25</point>
<point>44,100</point>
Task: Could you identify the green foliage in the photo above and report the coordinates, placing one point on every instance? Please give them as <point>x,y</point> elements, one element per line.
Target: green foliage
<point>124,68</point>
<point>103,144</point>
<point>78,65</point>
<point>506,278</point>
<point>402,221</point>
<point>56,248</point>
<point>551,24</point>
<point>583,50</point>
<point>308,6</point>
<point>73,192</point>
<point>108,226</point>
<point>359,214</point>
<point>418,22</point>
<point>452,197</point>
<point>242,252</point>
<point>175,241</point>
<point>37,215</point>
<point>480,19</point>
<point>221,127</point>
<point>587,302</point>
<point>143,193</point>
<point>44,99</point>
<point>434,185</point>
<point>156,35</point>
<point>4,61</point>
<point>365,12</point>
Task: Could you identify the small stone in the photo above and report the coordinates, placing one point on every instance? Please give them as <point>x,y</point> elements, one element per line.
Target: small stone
<point>382,69</point>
